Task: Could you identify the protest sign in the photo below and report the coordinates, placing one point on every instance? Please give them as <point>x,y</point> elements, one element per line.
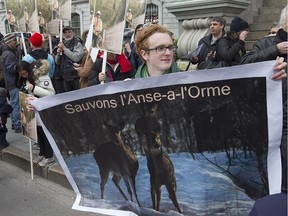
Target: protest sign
<point>28,119</point>
<point>108,28</point>
<point>203,135</point>
<point>22,17</point>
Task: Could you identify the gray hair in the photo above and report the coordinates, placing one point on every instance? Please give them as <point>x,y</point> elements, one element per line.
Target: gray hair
<point>283,17</point>
<point>219,19</point>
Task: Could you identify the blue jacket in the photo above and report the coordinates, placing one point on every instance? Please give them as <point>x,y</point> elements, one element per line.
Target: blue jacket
<point>36,54</point>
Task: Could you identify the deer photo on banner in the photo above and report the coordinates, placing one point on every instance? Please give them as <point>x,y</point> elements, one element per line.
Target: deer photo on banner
<point>206,138</point>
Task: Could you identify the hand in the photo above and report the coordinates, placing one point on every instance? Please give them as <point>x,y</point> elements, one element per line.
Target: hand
<point>102,76</point>
<point>76,65</point>
<point>61,47</point>
<point>30,87</point>
<point>283,47</point>
<point>211,55</point>
<point>243,35</point>
<point>194,59</point>
<point>128,48</point>
<point>29,106</point>
<point>78,69</point>
<point>279,69</point>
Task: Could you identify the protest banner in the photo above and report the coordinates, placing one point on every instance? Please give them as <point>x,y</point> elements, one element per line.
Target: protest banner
<point>22,17</point>
<point>28,119</point>
<point>210,138</point>
<point>136,13</point>
<point>108,28</point>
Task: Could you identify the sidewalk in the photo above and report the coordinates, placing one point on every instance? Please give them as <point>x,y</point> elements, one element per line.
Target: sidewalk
<point>17,153</point>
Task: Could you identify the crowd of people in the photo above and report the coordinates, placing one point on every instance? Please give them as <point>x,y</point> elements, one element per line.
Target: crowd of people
<point>150,53</point>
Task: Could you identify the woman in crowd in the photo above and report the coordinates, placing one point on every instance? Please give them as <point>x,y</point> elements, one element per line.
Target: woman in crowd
<point>37,82</point>
<point>232,46</point>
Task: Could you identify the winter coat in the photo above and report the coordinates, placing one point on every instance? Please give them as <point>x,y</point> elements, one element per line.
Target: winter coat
<point>230,50</point>
<point>43,84</point>
<point>73,54</point>
<point>265,49</point>
<point>37,54</point>
<point>205,49</point>
<point>84,71</point>
<point>9,62</point>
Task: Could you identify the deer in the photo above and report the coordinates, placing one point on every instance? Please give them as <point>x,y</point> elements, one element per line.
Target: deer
<point>159,164</point>
<point>115,157</point>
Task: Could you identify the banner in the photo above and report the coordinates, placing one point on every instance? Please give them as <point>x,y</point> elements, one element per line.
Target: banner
<point>108,28</point>
<point>22,15</point>
<point>28,119</point>
<point>135,14</point>
<point>208,138</point>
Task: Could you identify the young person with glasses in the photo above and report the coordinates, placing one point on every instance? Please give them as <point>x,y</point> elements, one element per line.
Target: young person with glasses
<point>155,46</point>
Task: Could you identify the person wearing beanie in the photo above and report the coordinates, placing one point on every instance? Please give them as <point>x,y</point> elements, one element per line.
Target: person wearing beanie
<point>36,40</point>
<point>38,52</point>
<point>5,110</point>
<point>10,37</point>
<point>9,61</point>
<point>231,47</point>
<point>238,25</point>
<point>33,79</point>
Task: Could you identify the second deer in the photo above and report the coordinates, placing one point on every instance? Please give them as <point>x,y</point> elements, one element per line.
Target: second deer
<point>159,164</point>
<point>117,158</point>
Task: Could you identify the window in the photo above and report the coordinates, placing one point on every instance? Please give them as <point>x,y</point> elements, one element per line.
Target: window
<point>75,24</point>
<point>151,15</point>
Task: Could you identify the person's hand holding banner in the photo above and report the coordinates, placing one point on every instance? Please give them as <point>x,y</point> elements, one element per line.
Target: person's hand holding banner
<point>279,69</point>
<point>29,106</point>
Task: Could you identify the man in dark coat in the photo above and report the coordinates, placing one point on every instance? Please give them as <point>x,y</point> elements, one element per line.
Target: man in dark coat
<point>9,62</point>
<point>69,51</point>
<point>209,47</point>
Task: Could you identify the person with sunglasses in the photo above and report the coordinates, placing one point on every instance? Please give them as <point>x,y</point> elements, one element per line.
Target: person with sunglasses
<point>155,46</point>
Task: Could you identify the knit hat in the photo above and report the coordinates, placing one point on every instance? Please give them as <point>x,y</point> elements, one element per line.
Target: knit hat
<point>238,25</point>
<point>3,92</point>
<point>36,39</point>
<point>9,37</point>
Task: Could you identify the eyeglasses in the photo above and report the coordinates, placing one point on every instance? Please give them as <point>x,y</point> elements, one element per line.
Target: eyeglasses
<point>162,49</point>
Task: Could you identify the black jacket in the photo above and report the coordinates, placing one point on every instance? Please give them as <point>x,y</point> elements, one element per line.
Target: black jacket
<point>9,62</point>
<point>205,49</point>
<point>230,50</point>
<point>265,49</point>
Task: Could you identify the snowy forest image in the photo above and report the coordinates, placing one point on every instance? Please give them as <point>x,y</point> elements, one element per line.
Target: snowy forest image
<point>206,150</point>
